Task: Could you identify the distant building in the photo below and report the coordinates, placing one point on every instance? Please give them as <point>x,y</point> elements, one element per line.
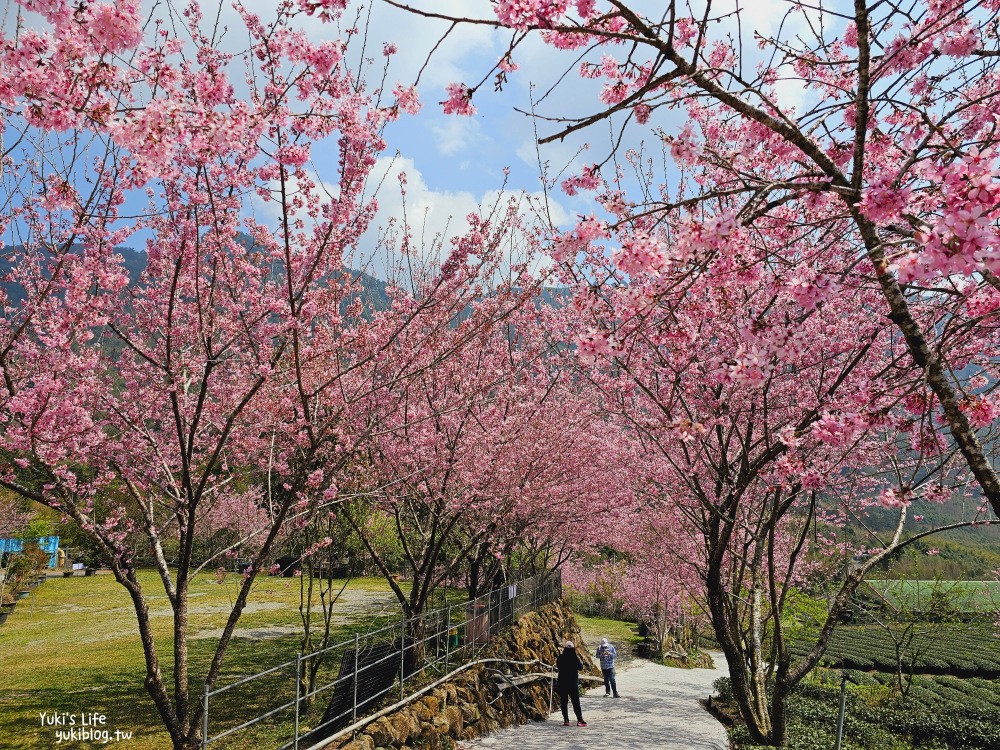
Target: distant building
<point>48,544</point>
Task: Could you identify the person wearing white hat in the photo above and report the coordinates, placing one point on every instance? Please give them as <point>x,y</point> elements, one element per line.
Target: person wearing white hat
<point>606,653</point>
<point>568,666</point>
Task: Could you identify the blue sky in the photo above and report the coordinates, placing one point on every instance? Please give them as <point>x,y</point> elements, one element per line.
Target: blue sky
<point>456,163</point>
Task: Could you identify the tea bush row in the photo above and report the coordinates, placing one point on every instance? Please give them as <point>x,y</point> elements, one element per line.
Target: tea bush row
<point>940,713</point>
<point>964,650</point>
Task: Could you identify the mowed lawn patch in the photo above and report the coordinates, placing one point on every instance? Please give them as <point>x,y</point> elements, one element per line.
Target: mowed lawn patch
<point>75,648</point>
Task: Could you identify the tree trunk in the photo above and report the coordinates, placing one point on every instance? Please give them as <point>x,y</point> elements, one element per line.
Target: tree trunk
<point>413,642</point>
<point>779,712</point>
<point>758,722</point>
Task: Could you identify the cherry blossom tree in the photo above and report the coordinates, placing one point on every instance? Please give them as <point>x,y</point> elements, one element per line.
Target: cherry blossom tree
<point>218,392</point>
<point>874,121</point>
<point>806,293</point>
<point>489,449</point>
<point>761,420</point>
<point>570,486</point>
<point>659,586</point>
<point>13,517</point>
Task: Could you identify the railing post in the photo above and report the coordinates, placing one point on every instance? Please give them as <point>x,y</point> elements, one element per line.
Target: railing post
<point>298,697</point>
<point>402,658</point>
<point>204,719</point>
<point>354,712</point>
<point>843,706</point>
<point>552,683</point>
<point>447,638</point>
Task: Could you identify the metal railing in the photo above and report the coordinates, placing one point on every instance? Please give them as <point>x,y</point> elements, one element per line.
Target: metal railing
<point>373,667</point>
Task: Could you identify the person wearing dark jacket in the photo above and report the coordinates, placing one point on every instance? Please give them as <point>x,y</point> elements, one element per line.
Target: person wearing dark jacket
<point>568,667</point>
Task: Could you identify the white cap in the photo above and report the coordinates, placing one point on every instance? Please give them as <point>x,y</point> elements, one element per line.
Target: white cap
<point>604,641</point>
<point>570,644</point>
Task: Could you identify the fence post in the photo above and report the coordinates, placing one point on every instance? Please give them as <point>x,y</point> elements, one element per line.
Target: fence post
<point>447,638</point>
<point>204,719</point>
<point>298,697</point>
<point>354,712</point>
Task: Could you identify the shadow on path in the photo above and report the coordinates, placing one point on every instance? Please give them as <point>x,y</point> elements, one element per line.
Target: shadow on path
<point>659,708</point>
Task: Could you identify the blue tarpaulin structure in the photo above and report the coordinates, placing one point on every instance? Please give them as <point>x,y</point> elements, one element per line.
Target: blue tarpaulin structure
<point>49,544</point>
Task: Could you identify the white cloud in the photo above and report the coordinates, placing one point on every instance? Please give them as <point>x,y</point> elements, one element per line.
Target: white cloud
<point>434,217</point>
<point>456,134</point>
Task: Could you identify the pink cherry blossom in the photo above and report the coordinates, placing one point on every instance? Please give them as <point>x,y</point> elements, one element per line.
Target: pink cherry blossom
<point>459,101</point>
<point>588,179</point>
<point>522,14</point>
<point>407,98</point>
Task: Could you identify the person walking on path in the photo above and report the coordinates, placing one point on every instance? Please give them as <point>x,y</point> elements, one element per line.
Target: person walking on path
<point>606,653</point>
<point>568,667</point>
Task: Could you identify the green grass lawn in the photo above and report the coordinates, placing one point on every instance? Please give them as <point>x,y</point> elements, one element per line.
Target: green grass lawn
<point>614,630</point>
<point>969,596</point>
<point>75,648</point>
<point>621,634</point>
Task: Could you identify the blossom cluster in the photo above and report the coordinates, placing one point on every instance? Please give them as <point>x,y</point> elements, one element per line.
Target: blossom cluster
<point>459,101</point>
<point>524,14</point>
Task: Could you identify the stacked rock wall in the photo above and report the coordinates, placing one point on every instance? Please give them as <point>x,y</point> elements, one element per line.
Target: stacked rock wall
<point>471,704</point>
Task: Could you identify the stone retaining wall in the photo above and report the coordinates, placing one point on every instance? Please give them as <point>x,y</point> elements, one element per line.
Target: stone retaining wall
<point>471,704</point>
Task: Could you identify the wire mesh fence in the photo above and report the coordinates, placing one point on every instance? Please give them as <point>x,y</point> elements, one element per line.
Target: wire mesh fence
<point>280,707</point>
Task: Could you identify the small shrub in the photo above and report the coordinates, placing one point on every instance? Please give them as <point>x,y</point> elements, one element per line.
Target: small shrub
<point>875,694</point>
<point>724,689</point>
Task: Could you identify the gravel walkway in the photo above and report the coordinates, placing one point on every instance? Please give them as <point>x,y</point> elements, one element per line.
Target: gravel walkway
<point>659,709</point>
